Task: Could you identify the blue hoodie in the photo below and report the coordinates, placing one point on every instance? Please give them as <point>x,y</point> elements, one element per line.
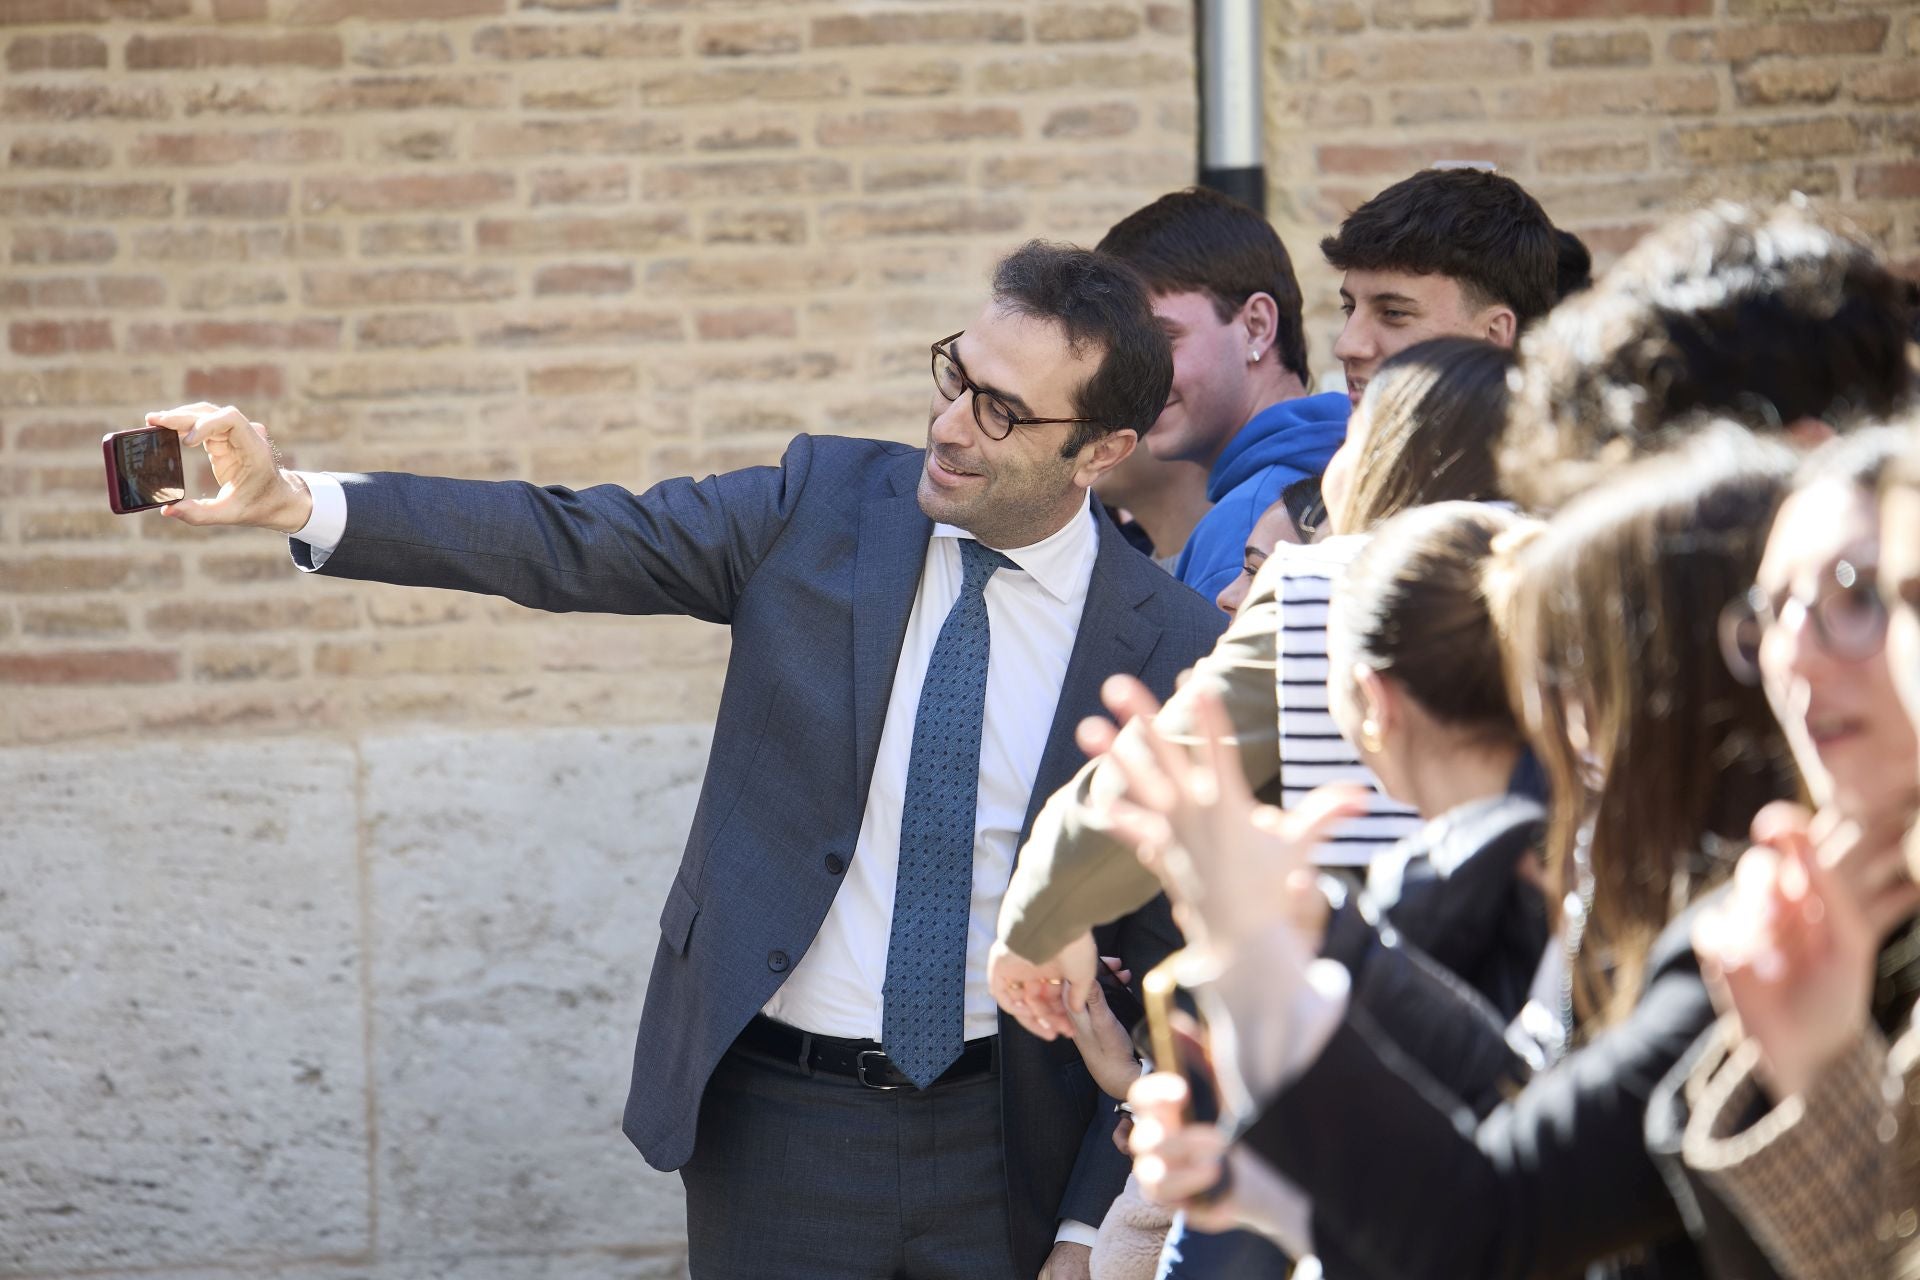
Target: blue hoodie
<point>1281,444</point>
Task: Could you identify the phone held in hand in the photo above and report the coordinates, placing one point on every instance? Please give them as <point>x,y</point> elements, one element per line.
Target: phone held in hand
<point>144,469</point>
<point>1177,1042</point>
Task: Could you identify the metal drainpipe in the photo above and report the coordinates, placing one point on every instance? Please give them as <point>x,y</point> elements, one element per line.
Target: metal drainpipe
<point>1230,103</point>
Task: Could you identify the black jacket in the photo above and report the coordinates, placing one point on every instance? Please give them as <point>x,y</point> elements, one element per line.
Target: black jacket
<point>1409,1183</point>
<point>1451,891</point>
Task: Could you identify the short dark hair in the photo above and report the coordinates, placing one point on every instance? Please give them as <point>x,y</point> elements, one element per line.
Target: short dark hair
<point>1097,300</point>
<point>1200,241</point>
<point>1574,263</point>
<point>1480,229</point>
<point>1765,316</point>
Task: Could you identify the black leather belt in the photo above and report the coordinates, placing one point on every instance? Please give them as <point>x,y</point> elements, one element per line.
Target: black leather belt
<point>863,1060</point>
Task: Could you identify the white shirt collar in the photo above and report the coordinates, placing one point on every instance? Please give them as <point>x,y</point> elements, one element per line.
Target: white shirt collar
<point>1058,562</point>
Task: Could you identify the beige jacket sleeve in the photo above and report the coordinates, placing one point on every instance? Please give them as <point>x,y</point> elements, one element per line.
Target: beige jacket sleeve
<point>1071,873</point>
<point>1820,1179</point>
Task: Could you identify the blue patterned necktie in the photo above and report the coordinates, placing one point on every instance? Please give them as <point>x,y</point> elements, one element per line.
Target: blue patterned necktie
<point>924,997</point>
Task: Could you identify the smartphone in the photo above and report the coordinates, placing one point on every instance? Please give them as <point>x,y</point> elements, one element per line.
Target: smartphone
<point>144,469</point>
<point>1176,1041</point>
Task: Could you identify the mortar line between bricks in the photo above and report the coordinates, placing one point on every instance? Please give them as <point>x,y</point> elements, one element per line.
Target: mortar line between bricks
<point>364,879</point>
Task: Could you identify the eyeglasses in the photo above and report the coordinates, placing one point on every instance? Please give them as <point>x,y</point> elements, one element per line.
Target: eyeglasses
<point>995,418</point>
<point>1847,615</point>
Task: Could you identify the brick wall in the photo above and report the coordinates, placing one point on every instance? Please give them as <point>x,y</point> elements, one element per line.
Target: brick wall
<point>1613,112</point>
<point>572,240</point>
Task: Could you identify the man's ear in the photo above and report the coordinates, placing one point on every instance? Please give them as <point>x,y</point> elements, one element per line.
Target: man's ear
<point>1103,455</point>
<point>1501,326</point>
<point>1260,316</point>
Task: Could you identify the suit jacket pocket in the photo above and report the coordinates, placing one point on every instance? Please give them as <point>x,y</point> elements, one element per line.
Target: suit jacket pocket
<point>676,918</point>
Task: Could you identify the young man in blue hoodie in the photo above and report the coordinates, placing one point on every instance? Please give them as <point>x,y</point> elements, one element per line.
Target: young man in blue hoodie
<point>1224,290</point>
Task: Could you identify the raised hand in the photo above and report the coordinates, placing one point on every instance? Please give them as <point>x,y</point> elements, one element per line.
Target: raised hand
<point>1791,950</point>
<point>1231,865</point>
<point>254,490</point>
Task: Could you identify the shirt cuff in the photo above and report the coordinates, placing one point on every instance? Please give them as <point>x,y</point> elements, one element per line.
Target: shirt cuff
<point>328,523</point>
<point>1072,1232</point>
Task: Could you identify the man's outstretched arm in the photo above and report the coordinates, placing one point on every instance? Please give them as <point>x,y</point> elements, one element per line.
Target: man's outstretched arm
<point>682,547</point>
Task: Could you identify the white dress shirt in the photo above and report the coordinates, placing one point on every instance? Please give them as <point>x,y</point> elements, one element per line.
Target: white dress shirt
<point>1033,615</point>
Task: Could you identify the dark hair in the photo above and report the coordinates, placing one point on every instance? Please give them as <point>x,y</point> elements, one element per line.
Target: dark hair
<point>1305,507</point>
<point>1200,241</point>
<point>1413,605</point>
<point>1098,301</point>
<point>1434,414</point>
<point>1614,610</point>
<point>1573,263</point>
<point>1763,316</point>
<point>1481,229</point>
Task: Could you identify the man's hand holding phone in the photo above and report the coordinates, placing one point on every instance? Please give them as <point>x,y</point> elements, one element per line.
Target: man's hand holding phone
<point>254,490</point>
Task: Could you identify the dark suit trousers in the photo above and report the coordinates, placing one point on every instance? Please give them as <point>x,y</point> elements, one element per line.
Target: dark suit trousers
<point>797,1176</point>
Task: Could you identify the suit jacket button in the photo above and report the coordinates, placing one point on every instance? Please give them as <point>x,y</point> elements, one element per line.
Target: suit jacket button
<point>777,961</point>
<point>835,864</point>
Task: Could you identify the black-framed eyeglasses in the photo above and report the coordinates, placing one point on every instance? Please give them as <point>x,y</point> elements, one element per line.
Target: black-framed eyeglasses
<point>1846,614</point>
<point>994,416</point>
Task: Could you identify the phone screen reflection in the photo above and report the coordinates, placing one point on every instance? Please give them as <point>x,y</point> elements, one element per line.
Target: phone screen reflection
<point>148,469</point>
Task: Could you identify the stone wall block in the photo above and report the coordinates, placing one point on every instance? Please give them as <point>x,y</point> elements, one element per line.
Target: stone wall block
<point>516,882</point>
<point>182,1051</point>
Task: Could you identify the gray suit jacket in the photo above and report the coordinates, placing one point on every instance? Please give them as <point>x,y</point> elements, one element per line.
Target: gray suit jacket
<point>814,565</point>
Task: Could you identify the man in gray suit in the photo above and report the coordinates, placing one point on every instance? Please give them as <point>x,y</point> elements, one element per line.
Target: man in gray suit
<point>916,632</point>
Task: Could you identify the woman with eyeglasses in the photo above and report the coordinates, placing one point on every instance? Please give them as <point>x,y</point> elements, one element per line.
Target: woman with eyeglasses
<point>1814,956</point>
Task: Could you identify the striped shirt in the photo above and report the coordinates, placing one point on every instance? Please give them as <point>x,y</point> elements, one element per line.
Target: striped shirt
<point>1312,751</point>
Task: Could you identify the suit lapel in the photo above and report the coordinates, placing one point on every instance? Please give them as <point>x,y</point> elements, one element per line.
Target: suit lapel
<point>886,573</point>
<point>1116,636</point>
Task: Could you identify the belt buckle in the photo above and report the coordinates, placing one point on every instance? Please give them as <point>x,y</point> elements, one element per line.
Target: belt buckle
<point>860,1070</point>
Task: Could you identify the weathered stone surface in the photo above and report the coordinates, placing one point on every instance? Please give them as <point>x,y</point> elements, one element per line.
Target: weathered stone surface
<point>516,878</point>
<point>203,949</point>
<point>585,1265</point>
<point>182,1049</point>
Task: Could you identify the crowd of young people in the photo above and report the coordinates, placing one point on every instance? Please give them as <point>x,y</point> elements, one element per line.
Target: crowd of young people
<point>1619,627</point>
